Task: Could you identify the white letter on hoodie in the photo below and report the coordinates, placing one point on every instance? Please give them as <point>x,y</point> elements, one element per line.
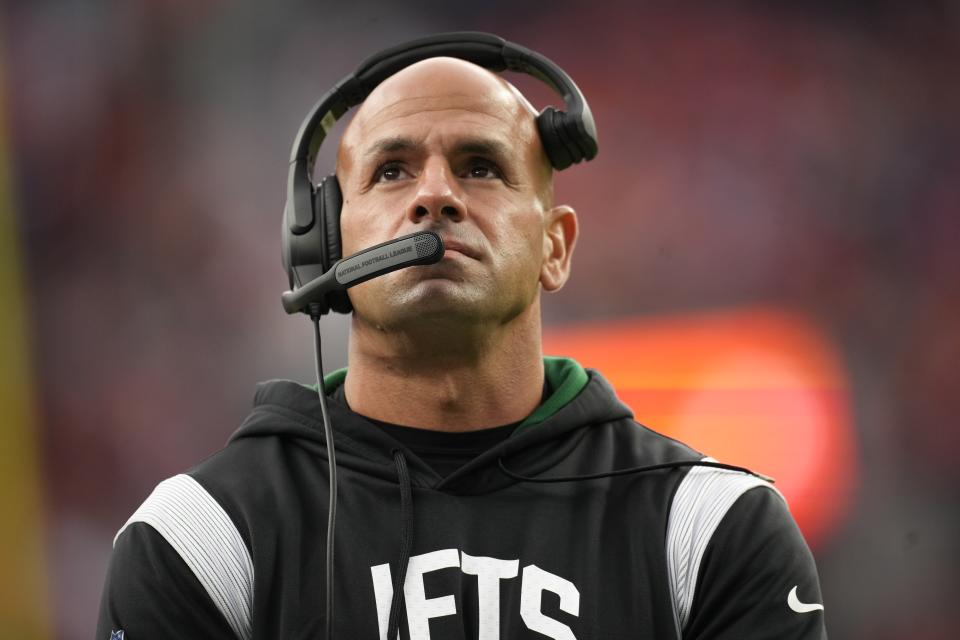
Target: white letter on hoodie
<point>489,572</point>
<point>383,592</point>
<point>419,608</point>
<point>535,582</point>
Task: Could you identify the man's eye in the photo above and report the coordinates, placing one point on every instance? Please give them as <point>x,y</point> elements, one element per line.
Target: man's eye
<point>389,173</point>
<point>482,170</point>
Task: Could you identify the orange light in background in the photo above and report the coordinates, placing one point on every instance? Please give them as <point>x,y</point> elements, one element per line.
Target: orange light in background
<point>761,388</point>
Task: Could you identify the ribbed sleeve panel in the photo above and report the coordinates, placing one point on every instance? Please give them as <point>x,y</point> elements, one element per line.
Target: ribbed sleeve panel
<point>702,500</point>
<point>202,533</point>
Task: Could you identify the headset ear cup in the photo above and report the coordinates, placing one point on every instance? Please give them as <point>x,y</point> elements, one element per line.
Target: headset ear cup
<point>548,124</point>
<point>285,249</point>
<point>332,200</point>
<point>330,219</point>
<point>566,127</point>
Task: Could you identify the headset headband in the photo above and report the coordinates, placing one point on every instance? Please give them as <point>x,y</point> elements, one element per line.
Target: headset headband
<point>573,129</point>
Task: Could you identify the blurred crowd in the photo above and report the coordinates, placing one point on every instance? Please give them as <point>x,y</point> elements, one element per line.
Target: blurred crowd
<point>804,155</point>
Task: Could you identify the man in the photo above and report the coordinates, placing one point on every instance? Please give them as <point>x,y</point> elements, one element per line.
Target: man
<point>445,419</point>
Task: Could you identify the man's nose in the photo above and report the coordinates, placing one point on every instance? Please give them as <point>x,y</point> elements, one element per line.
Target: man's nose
<point>437,195</point>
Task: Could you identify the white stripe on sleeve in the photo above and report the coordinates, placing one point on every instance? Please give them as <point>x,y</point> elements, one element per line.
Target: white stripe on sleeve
<point>198,529</point>
<point>704,496</point>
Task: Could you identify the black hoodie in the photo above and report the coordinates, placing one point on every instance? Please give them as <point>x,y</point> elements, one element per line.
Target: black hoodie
<point>236,546</point>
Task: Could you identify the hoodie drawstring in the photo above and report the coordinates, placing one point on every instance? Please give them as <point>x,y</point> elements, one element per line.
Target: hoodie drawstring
<point>406,543</point>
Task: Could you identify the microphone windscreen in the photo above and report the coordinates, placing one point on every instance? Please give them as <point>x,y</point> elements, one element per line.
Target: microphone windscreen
<point>427,244</point>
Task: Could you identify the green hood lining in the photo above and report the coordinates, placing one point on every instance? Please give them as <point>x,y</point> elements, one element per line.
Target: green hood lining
<point>565,376</point>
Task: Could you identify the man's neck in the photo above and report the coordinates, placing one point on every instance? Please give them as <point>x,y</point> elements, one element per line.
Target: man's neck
<point>445,381</point>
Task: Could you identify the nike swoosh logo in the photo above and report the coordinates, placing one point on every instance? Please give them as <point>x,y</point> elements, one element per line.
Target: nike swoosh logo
<point>801,607</point>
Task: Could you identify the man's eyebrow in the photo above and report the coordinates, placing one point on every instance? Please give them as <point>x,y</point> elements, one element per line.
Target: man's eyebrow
<point>481,147</point>
<point>468,146</point>
<point>391,145</point>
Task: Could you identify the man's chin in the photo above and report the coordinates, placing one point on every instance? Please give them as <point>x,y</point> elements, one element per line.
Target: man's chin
<point>436,300</point>
<point>427,301</point>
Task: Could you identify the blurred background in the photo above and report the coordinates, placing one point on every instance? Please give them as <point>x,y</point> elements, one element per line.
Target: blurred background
<point>768,266</point>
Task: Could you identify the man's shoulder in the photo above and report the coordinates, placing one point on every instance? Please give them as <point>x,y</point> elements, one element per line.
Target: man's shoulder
<point>645,444</point>
<point>202,524</point>
<point>184,524</point>
<point>727,531</point>
<point>221,491</point>
<point>241,469</point>
<point>754,550</point>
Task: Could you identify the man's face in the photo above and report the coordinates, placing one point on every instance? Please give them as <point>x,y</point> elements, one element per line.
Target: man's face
<point>445,146</point>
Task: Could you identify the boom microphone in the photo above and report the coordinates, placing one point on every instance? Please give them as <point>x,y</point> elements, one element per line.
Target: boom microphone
<point>423,247</point>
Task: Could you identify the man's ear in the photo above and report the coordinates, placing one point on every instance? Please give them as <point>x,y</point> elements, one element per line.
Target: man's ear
<point>559,237</point>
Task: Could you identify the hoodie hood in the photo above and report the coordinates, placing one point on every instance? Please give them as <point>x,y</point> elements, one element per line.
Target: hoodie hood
<point>580,398</point>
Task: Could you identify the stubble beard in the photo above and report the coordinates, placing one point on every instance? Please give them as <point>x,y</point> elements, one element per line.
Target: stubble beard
<point>437,315</point>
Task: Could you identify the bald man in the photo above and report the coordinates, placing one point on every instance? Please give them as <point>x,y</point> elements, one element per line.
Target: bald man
<point>450,147</point>
<point>448,420</point>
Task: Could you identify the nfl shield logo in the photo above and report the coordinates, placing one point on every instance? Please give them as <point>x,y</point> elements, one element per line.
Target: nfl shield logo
<point>116,635</point>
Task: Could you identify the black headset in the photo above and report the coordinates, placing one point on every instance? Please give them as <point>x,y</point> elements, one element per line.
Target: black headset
<point>311,216</point>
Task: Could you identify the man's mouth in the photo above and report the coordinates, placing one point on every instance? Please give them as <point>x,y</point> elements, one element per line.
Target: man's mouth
<point>458,247</point>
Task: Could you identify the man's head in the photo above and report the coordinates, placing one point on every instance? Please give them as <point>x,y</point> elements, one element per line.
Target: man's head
<point>448,146</point>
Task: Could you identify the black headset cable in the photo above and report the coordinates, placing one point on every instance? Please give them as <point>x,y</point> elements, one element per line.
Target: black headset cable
<point>331,465</point>
<point>631,470</point>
